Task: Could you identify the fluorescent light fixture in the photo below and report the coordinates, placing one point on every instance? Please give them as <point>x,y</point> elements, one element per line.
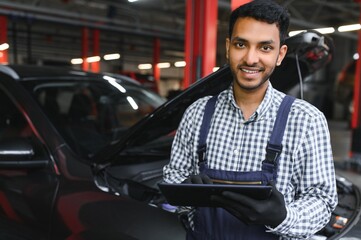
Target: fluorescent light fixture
<point>113,82</point>
<point>132,0</point>
<point>112,56</point>
<point>180,64</point>
<point>132,103</point>
<point>4,46</point>
<point>352,27</point>
<point>292,33</point>
<point>325,30</point>
<point>163,65</point>
<point>320,30</point>
<point>145,66</point>
<point>76,61</point>
<point>93,59</point>
<point>215,69</point>
<point>355,56</point>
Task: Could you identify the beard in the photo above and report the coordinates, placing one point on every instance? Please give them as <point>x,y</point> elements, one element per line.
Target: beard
<point>242,83</point>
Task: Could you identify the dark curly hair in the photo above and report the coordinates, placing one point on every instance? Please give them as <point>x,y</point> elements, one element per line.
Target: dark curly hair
<point>262,10</point>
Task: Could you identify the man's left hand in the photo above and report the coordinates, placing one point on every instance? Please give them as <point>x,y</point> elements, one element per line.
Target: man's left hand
<point>270,212</point>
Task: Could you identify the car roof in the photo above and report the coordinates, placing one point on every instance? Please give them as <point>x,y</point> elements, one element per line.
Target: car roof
<point>31,72</point>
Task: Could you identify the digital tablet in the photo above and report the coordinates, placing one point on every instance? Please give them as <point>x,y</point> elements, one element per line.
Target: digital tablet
<point>198,195</point>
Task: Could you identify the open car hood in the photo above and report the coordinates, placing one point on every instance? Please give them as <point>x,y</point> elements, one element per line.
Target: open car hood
<point>311,49</point>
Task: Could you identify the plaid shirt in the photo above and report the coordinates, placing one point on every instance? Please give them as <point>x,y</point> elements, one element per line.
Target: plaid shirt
<point>306,174</point>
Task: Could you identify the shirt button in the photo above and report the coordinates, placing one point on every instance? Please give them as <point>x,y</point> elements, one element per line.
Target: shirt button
<point>235,151</point>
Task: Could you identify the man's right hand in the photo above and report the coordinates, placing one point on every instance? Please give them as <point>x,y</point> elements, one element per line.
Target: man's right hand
<point>198,179</point>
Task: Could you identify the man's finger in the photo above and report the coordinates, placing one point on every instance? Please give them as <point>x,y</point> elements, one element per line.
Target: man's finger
<point>206,179</point>
<point>196,179</point>
<point>242,199</point>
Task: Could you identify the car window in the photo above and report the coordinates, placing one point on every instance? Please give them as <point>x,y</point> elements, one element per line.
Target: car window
<point>12,122</point>
<point>90,114</point>
<point>19,145</point>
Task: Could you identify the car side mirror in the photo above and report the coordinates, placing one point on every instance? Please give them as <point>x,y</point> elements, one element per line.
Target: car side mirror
<point>19,153</point>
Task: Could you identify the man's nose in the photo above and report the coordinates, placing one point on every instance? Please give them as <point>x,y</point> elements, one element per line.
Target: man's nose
<point>251,57</point>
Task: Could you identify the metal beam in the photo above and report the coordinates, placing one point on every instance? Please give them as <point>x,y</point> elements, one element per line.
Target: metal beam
<point>84,20</point>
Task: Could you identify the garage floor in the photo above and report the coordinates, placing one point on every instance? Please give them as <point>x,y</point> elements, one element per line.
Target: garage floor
<point>341,142</point>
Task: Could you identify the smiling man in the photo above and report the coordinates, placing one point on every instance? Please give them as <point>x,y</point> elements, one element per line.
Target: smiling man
<point>239,145</point>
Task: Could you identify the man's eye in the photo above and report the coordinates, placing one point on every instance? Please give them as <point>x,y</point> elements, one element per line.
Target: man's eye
<point>239,45</point>
<point>267,48</point>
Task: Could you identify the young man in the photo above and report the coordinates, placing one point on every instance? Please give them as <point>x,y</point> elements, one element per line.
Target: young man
<point>304,187</point>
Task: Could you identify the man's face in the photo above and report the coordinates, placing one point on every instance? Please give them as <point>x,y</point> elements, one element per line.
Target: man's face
<point>253,52</point>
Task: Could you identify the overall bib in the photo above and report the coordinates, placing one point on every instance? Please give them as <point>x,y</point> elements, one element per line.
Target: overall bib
<point>217,223</point>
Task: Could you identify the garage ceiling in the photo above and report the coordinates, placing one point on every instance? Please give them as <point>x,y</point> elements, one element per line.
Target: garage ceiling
<point>51,29</point>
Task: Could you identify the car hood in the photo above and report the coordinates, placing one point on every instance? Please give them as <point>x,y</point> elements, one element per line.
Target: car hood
<point>307,52</point>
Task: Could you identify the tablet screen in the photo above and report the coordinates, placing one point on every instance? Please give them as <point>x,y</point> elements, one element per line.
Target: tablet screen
<point>199,195</point>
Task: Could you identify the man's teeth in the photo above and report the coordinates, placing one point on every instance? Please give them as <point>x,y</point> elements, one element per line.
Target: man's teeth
<point>249,71</point>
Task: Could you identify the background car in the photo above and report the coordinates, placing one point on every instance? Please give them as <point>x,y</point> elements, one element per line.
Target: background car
<point>51,122</point>
<point>81,154</point>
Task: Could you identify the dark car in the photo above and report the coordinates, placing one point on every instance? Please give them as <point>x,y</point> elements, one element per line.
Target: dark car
<point>52,121</point>
<point>81,154</point>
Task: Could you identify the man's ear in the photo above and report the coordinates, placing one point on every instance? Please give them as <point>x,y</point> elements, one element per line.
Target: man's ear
<point>281,55</point>
<point>227,48</point>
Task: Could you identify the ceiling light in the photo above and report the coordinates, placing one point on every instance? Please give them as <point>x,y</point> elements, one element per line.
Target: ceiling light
<point>352,27</point>
<point>4,46</point>
<point>325,30</point>
<point>163,65</point>
<point>145,66</point>
<point>93,59</point>
<point>180,64</point>
<point>132,0</point>
<point>76,61</point>
<point>356,56</point>
<point>112,56</point>
<point>293,33</point>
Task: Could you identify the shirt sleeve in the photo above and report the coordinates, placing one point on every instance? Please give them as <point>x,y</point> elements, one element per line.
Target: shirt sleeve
<point>181,163</point>
<point>315,187</point>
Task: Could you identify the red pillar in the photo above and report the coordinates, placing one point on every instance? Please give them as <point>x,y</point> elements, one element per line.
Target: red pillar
<point>156,59</point>
<point>3,38</point>
<point>84,48</point>
<point>357,88</point>
<point>209,41</point>
<point>356,115</point>
<point>95,66</point>
<point>188,46</point>
<point>236,3</point>
<point>200,39</point>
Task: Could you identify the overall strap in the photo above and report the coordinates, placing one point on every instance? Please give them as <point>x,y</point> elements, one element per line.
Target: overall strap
<point>274,147</point>
<point>206,122</point>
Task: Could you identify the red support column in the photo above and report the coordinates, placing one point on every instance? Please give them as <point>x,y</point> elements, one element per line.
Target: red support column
<point>95,66</point>
<point>356,115</point>
<point>209,40</point>
<point>236,3</point>
<point>156,59</point>
<point>357,88</point>
<point>84,48</point>
<point>188,46</point>
<point>3,38</point>
<point>200,39</point>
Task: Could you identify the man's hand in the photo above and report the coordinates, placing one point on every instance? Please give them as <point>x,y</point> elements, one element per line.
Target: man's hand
<point>198,179</point>
<point>270,212</point>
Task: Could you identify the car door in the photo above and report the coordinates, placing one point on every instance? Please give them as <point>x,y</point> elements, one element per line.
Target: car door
<point>27,182</point>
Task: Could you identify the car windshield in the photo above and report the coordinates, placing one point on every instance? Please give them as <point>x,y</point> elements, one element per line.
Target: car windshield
<point>92,113</point>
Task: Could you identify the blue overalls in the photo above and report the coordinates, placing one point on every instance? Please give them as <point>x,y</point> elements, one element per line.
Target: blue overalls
<point>217,223</point>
